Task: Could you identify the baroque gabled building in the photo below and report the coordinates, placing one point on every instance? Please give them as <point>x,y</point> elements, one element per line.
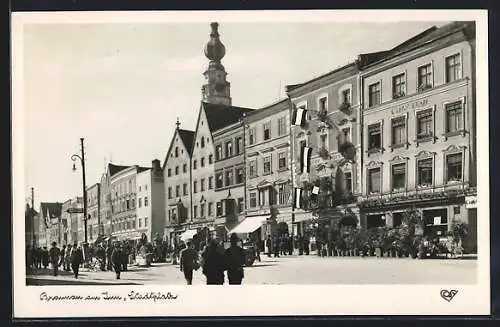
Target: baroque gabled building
<point>177,182</point>
<point>216,112</point>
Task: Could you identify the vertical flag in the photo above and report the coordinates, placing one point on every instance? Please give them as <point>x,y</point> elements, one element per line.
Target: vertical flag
<point>305,159</point>
<point>297,198</point>
<point>299,117</point>
<point>47,218</point>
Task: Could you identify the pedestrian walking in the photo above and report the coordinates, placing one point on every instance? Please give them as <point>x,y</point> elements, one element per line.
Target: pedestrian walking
<point>101,256</point>
<point>269,245</point>
<point>63,254</point>
<point>189,262</point>
<point>290,245</point>
<point>54,255</point>
<point>45,257</point>
<point>109,252</point>
<point>67,258</point>
<point>213,263</point>
<point>117,258</point>
<point>76,259</point>
<point>276,245</point>
<point>235,260</point>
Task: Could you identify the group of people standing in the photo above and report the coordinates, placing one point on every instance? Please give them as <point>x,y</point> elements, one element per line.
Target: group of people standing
<point>214,262</point>
<point>72,257</point>
<point>69,257</point>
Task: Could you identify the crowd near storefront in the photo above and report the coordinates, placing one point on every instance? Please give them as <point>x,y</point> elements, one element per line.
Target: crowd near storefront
<point>375,157</point>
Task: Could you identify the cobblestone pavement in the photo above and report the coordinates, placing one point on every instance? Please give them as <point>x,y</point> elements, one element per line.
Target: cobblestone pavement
<point>294,270</point>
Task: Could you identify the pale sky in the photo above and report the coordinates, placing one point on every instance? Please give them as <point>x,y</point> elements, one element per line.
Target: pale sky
<point>121,86</point>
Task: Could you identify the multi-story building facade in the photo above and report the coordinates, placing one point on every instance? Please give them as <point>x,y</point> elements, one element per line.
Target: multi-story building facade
<point>229,178</point>
<point>50,223</point>
<point>66,222</point>
<point>177,181</point>
<point>419,131</point>
<point>105,203</point>
<point>123,181</point>
<point>95,228</point>
<point>215,113</point>
<point>268,168</point>
<point>150,208</point>
<point>332,121</point>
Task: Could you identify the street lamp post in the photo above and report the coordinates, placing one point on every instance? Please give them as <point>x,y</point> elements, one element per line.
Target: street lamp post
<point>82,162</point>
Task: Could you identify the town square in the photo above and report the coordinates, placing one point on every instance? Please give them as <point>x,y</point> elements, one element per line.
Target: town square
<point>363,173</point>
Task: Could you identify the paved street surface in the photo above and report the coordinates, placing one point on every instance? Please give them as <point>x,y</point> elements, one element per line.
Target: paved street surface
<point>294,270</point>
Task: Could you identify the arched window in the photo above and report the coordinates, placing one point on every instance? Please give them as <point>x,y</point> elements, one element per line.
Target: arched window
<point>176,152</point>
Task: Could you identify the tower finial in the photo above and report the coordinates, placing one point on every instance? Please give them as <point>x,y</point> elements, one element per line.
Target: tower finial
<point>177,123</point>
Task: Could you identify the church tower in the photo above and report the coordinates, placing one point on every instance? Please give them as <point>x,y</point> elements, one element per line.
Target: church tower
<point>216,88</point>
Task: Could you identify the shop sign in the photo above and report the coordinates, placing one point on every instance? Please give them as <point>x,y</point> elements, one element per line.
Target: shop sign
<point>471,202</point>
<point>410,106</point>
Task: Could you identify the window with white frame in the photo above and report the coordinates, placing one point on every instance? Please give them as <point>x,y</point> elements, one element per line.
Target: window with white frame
<point>218,152</point>
<point>239,145</point>
<point>399,131</point>
<point>219,180</point>
<point>185,189</point>
<point>267,165</point>
<point>210,209</point>
<point>398,86</point>
<point>210,182</point>
<point>424,172</point>
<point>252,168</point>
<point>345,135</point>
<point>240,175</point>
<point>282,196</point>
<point>229,149</point>
<point>267,131</point>
<point>229,177</point>
<point>454,121</point>
<point>425,124</point>
<point>195,187</point>
<point>202,210</point>
<point>240,205</point>
<point>374,94</point>
<point>177,192</point>
<point>219,211</point>
<point>424,77</point>
<point>374,175</point>
<point>282,161</point>
<point>251,136</point>
<point>346,96</point>
<point>453,68</point>
<point>323,104</point>
<point>454,167</point>
<point>281,126</point>
<point>398,176</point>
<point>253,199</point>
<point>375,136</point>
<point>202,184</point>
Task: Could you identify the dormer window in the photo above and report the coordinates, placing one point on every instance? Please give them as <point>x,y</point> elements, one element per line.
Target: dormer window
<point>323,104</point>
<point>346,96</point>
<point>267,131</point>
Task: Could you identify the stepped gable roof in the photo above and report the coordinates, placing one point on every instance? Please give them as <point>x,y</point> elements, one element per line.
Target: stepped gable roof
<point>187,138</point>
<point>114,169</point>
<point>53,207</point>
<point>220,116</point>
<point>429,35</point>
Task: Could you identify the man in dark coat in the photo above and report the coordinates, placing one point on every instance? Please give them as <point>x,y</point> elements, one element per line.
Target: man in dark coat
<point>290,245</point>
<point>54,255</point>
<point>45,257</point>
<point>235,260</point>
<point>101,256</point>
<point>76,259</point>
<point>276,244</point>
<point>213,264</point>
<point>269,245</point>
<point>109,252</point>
<point>63,254</point>
<point>117,258</point>
<point>189,262</point>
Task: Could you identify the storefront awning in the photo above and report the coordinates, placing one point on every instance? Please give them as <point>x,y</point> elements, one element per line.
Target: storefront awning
<point>249,224</point>
<point>187,235</point>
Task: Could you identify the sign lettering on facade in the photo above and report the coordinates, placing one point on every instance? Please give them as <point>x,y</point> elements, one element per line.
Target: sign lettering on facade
<point>410,106</point>
<point>471,202</point>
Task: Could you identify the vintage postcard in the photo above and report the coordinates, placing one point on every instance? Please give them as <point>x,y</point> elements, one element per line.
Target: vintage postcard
<point>250,163</point>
